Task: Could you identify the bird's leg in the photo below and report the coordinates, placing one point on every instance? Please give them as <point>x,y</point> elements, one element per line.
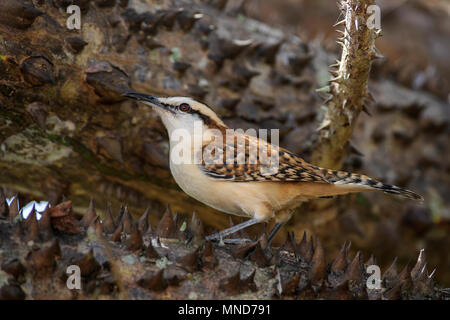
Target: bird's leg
<point>222,234</point>
<point>274,231</point>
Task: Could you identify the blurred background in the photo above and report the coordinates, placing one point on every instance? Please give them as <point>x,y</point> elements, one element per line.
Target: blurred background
<point>65,132</point>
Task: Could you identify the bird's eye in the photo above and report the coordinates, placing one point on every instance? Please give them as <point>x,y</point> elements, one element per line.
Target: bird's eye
<point>184,107</point>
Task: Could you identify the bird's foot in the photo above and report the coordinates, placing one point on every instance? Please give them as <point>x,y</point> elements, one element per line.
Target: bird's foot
<point>223,241</point>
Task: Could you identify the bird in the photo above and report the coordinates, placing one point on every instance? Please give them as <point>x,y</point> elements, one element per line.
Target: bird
<point>219,167</point>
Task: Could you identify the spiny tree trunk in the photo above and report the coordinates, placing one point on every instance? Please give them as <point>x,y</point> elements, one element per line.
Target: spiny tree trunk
<point>348,88</point>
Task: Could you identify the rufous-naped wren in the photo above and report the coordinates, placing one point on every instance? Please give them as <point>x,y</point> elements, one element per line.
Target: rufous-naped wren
<point>241,186</point>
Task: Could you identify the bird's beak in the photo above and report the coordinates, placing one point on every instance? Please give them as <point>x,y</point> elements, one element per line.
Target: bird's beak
<point>147,99</point>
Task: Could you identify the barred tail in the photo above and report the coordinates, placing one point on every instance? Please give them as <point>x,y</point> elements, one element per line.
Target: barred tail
<point>354,180</point>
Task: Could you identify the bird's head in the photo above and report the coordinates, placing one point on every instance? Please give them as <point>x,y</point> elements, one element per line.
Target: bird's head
<point>179,112</point>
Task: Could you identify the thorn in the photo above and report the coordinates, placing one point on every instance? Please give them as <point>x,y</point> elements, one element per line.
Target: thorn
<point>189,262</point>
<point>88,264</point>
<point>90,215</point>
<point>196,229</point>
<point>258,256</point>
<point>166,227</point>
<point>289,286</point>
<point>334,73</point>
<point>395,293</point>
<point>151,253</point>
<point>208,258</point>
<point>338,23</point>
<point>415,272</point>
<point>153,281</point>
<point>135,242</point>
<point>14,267</point>
<point>340,262</point>
<point>232,285</point>
<point>14,207</point>
<point>117,235</point>
<point>268,52</point>
<point>127,221</point>
<point>249,282</point>
<point>354,270</point>
<point>32,227</point>
<point>376,54</point>
<point>390,275</point>
<point>371,261</point>
<point>305,248</point>
<point>98,228</point>
<point>45,224</point>
<point>318,265</point>
<point>289,245</point>
<point>120,215</point>
<point>41,262</point>
<point>108,224</point>
<point>242,250</point>
<point>143,221</point>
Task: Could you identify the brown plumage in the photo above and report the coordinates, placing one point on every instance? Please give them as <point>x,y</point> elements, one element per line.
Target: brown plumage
<point>245,165</point>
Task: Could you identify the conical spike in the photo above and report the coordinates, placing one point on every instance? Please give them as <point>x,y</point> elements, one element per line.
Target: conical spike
<point>390,275</point>
<point>90,214</point>
<point>120,215</point>
<point>88,264</point>
<point>395,293</point>
<point>92,226</point>
<point>108,223</point>
<point>153,281</point>
<point>41,262</point>
<point>31,226</point>
<point>14,267</point>
<point>371,261</point>
<point>14,207</point>
<point>166,227</point>
<point>189,262</point>
<point>143,221</point>
<point>151,253</point>
<point>232,285</point>
<point>196,229</point>
<point>339,23</point>
<point>135,242</point>
<point>289,286</point>
<point>404,274</point>
<point>340,262</point>
<point>305,248</point>
<point>98,228</point>
<point>289,245</point>
<point>4,208</point>
<point>318,265</point>
<point>45,224</point>
<point>415,272</point>
<point>249,282</point>
<point>127,221</point>
<point>258,256</point>
<point>117,235</point>
<point>404,278</point>
<point>242,250</point>
<point>354,270</point>
<point>209,260</point>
